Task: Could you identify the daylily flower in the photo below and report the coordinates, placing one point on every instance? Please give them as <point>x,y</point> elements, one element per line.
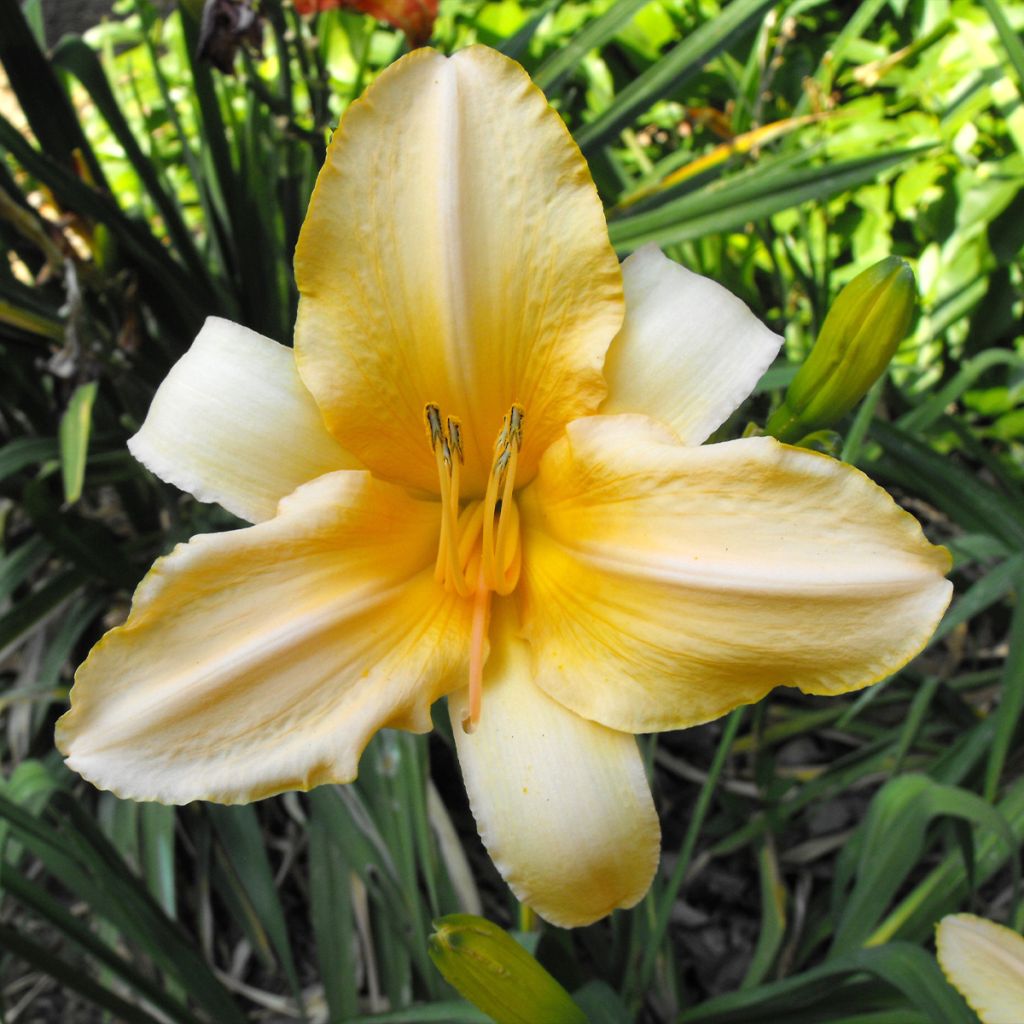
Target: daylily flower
<point>984,962</point>
<point>413,17</point>
<point>479,475</point>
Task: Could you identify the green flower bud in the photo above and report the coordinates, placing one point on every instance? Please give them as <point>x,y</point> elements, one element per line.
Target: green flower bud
<point>491,970</point>
<point>866,323</point>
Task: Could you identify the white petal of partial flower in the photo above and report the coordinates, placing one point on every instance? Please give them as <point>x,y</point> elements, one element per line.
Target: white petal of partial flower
<point>689,351</point>
<point>234,424</point>
<point>984,961</point>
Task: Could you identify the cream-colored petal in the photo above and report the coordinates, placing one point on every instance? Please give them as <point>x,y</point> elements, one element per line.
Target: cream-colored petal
<point>233,423</point>
<point>264,659</point>
<point>664,585</point>
<point>689,351</point>
<point>455,253</point>
<point>562,804</point>
<point>984,961</point>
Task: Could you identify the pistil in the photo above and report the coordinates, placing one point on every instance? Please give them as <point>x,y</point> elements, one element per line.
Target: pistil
<point>478,636</point>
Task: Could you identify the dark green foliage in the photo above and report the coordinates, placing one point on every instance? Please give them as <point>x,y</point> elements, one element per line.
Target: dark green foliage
<point>810,846</point>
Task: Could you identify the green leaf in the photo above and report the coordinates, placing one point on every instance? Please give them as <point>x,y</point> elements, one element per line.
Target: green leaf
<point>678,66</point>
<point>167,287</point>
<point>1010,39</point>
<point>88,543</point>
<point>29,612</point>
<point>31,895</point>
<point>593,35</point>
<point>992,587</point>
<point>46,106</point>
<point>773,916</point>
<point>238,829</point>
<point>907,968</point>
<point>24,452</point>
<point>75,427</point>
<point>89,866</point>
<point>157,823</point>
<point>944,888</point>
<point>428,1013</point>
<point>731,203</point>
<point>330,907</point>
<point>960,495</point>
<point>601,1003</point>
<point>72,54</point>
<point>1011,702</point>
<point>73,978</point>
<point>647,941</point>
<point>891,842</point>
<point>515,46</point>
<point>18,566</point>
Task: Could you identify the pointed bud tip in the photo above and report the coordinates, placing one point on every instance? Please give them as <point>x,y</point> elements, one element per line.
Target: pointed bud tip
<point>860,335</point>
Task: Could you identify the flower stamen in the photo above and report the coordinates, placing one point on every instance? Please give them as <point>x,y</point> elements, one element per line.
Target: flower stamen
<point>492,523</point>
<point>447,448</point>
<point>502,478</point>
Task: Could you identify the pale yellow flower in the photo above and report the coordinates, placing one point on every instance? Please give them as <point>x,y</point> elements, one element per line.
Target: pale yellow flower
<point>984,962</point>
<point>480,476</point>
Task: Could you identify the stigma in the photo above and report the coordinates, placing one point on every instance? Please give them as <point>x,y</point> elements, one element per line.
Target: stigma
<point>479,551</point>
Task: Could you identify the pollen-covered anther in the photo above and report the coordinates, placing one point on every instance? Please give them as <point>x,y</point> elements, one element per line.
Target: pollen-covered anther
<point>447,447</point>
<point>501,555</point>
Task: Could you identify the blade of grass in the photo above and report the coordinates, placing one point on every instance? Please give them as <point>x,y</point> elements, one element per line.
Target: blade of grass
<point>116,893</point>
<point>992,587</point>
<point>908,968</point>
<point>893,838</point>
<point>773,915</point>
<point>963,498</point>
<point>241,837</point>
<point>157,826</point>
<point>164,282</point>
<point>666,898</point>
<point>516,45</point>
<point>73,978</point>
<point>1010,40</point>
<point>853,28</point>
<point>24,452</point>
<point>670,72</point>
<point>944,888</point>
<point>733,202</point>
<point>34,897</point>
<point>1011,702</point>
<point>74,56</point>
<point>591,37</point>
<point>44,102</point>
<point>75,427</point>
<point>330,905</point>
<point>28,613</point>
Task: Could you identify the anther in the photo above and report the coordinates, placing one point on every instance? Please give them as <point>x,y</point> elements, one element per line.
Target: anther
<point>434,432</point>
<point>447,569</point>
<point>515,426</point>
<point>455,437</point>
<point>498,501</point>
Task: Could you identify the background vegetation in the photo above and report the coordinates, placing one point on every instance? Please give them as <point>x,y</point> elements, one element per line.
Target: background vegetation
<point>810,845</point>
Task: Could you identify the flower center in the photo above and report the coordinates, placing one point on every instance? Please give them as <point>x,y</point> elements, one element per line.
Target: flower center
<point>479,552</point>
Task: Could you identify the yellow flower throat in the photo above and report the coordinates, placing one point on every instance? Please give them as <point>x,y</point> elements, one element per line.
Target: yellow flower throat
<point>479,552</point>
